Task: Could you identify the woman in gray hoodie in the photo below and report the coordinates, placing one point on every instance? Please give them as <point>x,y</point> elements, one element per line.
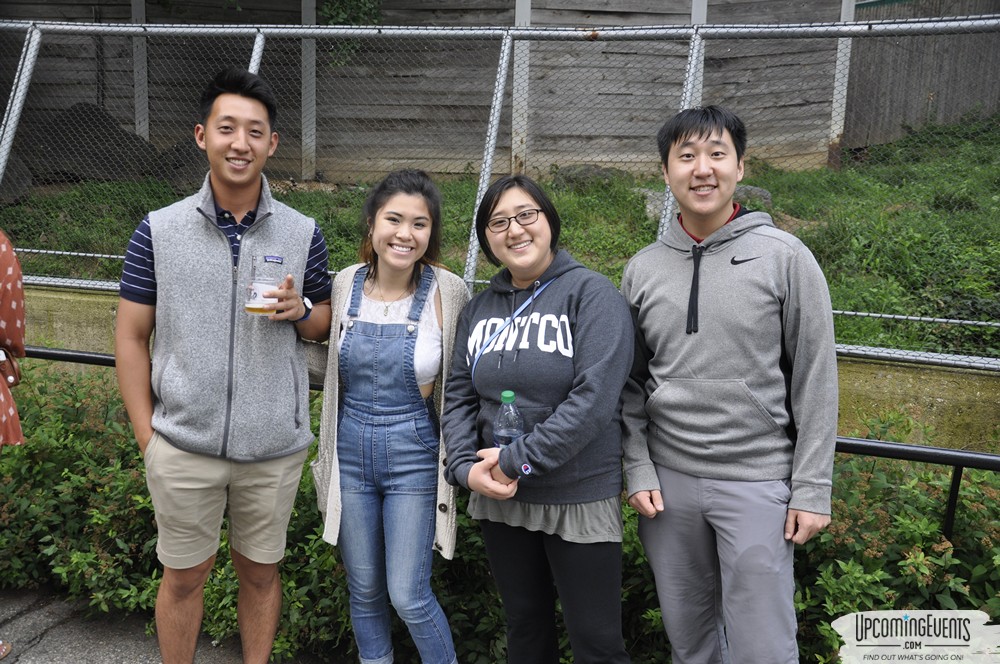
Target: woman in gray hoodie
<point>560,336</point>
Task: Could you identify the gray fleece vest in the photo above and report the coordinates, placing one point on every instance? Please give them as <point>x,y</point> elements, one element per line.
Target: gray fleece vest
<point>226,383</point>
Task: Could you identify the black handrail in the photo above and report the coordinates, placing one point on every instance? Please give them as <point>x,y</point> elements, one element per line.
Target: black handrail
<point>939,455</point>
<point>65,355</point>
<point>959,460</point>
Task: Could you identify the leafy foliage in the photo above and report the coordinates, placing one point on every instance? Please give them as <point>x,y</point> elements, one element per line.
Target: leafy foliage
<point>75,513</point>
<point>350,12</point>
<point>884,548</point>
<point>907,228</point>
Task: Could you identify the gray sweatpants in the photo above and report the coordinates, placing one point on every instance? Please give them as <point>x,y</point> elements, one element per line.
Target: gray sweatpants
<point>723,570</point>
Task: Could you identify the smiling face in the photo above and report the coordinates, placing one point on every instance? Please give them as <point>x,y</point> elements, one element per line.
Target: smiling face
<point>702,172</point>
<point>400,232</point>
<point>525,250</point>
<point>237,140</point>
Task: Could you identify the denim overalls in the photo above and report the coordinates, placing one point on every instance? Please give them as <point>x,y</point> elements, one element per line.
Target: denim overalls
<point>387,446</point>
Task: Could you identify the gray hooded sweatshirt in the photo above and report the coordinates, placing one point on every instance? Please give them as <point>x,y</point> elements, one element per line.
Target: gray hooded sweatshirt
<point>566,356</point>
<point>735,374</point>
<point>227,383</point>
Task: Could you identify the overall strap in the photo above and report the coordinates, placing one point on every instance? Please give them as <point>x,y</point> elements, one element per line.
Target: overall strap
<point>420,297</point>
<point>356,291</point>
<point>506,323</point>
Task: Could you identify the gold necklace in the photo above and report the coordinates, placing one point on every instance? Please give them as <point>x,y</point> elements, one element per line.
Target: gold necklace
<point>385,304</point>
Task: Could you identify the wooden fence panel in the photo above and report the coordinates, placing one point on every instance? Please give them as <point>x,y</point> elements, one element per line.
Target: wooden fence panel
<point>244,12</point>
<point>897,84</point>
<point>107,11</point>
<point>432,97</point>
<point>422,102</point>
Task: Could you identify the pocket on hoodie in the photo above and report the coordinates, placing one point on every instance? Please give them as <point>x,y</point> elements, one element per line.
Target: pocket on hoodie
<point>533,416</point>
<point>709,410</point>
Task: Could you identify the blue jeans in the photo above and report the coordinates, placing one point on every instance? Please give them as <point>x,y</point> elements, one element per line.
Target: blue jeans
<point>388,475</point>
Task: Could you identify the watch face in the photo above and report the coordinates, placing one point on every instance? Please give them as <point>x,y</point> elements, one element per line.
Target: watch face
<point>307,303</point>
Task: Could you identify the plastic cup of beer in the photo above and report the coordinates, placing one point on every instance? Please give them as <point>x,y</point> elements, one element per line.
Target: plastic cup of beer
<point>255,295</point>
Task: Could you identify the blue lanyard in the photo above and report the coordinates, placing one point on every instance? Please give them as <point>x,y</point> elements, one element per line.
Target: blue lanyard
<point>506,323</point>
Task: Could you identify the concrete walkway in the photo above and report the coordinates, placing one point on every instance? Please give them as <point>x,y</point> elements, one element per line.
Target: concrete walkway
<point>45,628</point>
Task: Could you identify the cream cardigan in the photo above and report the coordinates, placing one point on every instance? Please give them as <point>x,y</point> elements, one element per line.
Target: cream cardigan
<point>326,473</point>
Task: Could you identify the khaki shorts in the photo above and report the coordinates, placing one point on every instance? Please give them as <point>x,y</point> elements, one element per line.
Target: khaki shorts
<point>190,493</point>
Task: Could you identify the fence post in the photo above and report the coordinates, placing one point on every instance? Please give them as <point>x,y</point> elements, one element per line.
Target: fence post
<point>841,73</point>
<point>949,515</point>
<point>18,94</point>
<point>519,93</point>
<point>258,53</point>
<point>694,79</point>
<point>140,77</point>
<point>699,12</point>
<point>308,140</point>
<point>486,169</point>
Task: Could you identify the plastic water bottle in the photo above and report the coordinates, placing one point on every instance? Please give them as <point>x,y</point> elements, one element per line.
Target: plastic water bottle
<point>508,425</point>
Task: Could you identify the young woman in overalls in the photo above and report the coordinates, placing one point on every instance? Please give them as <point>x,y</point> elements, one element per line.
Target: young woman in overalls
<point>380,463</point>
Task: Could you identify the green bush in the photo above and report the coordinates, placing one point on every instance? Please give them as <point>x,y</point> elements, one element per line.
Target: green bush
<point>884,548</point>
<point>75,514</point>
<point>74,510</point>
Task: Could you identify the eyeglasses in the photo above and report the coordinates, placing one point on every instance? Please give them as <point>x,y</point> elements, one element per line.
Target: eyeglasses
<point>523,218</point>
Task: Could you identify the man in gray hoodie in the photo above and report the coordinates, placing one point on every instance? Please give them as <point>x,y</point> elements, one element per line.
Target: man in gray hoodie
<point>730,412</point>
<point>221,407</point>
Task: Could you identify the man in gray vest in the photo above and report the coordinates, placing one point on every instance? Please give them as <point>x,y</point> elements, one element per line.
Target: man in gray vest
<point>220,407</point>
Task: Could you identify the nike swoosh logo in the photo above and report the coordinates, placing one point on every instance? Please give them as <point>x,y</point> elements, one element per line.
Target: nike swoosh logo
<point>734,260</point>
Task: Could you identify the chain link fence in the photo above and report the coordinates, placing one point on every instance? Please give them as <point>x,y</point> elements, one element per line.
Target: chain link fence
<point>874,142</point>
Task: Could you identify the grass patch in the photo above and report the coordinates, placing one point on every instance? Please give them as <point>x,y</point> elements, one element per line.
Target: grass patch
<point>908,228</point>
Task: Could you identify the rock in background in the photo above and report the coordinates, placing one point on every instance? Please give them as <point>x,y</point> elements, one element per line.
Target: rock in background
<point>85,143</point>
<point>16,181</point>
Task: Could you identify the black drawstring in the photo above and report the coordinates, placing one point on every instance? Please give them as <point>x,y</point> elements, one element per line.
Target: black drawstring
<point>692,321</point>
<point>513,305</point>
<point>534,292</point>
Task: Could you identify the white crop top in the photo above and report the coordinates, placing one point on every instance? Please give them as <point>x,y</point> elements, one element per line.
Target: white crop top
<point>427,354</point>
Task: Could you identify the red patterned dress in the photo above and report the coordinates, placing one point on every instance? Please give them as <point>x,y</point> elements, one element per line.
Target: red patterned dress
<point>11,335</point>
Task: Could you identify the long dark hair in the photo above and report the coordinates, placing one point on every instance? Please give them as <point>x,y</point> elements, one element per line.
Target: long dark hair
<point>405,181</point>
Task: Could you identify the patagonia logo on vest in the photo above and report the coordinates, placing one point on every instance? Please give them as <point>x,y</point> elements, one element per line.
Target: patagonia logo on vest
<point>274,259</point>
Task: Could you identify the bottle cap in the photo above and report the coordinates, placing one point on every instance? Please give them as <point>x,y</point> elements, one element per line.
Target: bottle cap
<point>507,396</point>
